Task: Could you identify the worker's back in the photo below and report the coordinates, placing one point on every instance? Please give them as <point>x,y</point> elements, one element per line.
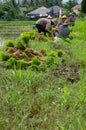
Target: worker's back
<point>43,21</point>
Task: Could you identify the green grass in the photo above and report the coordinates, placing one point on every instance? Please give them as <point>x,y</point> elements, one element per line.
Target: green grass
<point>52,97</point>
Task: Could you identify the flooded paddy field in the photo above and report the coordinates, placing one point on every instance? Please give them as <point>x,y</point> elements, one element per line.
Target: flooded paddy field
<point>13,29</point>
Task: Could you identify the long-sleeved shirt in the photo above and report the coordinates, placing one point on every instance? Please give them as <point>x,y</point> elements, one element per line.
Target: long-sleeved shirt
<point>64,31</point>
<point>44,22</point>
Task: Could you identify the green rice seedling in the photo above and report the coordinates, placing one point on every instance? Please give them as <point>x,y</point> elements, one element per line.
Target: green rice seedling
<point>52,54</point>
<point>25,37</point>
<point>46,39</point>
<point>60,53</point>
<point>23,64</point>
<point>4,56</point>
<point>51,57</point>
<point>33,35</point>
<point>9,43</point>
<point>24,55</point>
<point>20,45</point>
<point>35,61</point>
<point>50,60</point>
<point>11,63</point>
<point>34,67</point>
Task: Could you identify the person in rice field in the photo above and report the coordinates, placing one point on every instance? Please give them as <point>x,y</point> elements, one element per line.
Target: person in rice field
<point>44,25</point>
<point>64,30</point>
<point>62,20</point>
<point>51,12</point>
<point>72,19</point>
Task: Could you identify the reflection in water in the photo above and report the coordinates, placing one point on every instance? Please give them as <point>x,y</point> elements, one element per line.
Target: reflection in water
<point>1,41</point>
<point>3,38</point>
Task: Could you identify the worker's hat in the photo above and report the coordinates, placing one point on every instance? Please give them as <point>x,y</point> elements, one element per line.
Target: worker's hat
<point>64,17</point>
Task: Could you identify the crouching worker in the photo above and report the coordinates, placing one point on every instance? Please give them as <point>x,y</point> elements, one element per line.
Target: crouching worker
<point>44,25</point>
<point>55,31</point>
<point>64,31</point>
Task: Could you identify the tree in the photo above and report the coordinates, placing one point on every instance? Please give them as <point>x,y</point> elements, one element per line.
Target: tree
<point>32,2</point>
<point>83,5</point>
<point>25,2</point>
<point>9,10</point>
<point>37,3</point>
<point>68,5</point>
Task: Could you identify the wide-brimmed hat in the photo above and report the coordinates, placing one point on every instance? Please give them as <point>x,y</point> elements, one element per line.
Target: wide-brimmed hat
<point>64,17</point>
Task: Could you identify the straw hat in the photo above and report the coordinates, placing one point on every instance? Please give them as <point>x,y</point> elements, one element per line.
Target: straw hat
<point>64,17</point>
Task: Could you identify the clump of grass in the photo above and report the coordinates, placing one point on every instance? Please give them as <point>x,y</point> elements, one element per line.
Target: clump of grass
<point>60,53</point>
<point>52,54</point>
<point>52,59</point>
<point>35,61</point>
<point>23,64</point>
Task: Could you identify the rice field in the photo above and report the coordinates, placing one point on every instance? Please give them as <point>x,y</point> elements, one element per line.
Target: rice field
<point>52,96</point>
<point>15,28</point>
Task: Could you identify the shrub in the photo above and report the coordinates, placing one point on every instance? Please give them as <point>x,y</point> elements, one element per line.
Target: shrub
<point>21,16</point>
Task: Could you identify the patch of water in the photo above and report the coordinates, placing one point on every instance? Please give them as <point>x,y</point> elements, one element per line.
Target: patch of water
<point>3,38</point>
<point>2,41</point>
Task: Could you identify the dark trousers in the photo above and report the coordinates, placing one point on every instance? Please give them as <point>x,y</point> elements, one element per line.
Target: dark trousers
<point>41,29</point>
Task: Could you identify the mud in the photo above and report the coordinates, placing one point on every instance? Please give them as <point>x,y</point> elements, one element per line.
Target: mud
<point>69,73</point>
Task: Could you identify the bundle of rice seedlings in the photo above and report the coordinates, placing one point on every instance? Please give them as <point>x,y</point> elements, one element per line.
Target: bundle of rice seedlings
<point>20,45</point>
<point>4,56</point>
<point>9,43</point>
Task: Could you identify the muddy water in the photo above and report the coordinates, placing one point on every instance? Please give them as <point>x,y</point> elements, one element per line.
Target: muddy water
<point>3,38</point>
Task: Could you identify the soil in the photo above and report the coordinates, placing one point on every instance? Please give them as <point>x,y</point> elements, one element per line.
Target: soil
<point>70,73</point>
